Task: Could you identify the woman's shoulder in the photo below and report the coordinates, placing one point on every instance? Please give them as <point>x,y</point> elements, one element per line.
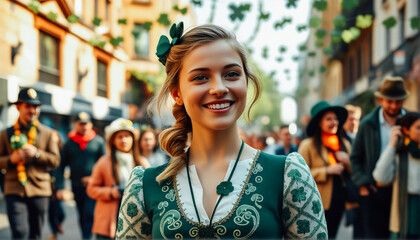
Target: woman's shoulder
<point>307,142</point>
<point>105,160</point>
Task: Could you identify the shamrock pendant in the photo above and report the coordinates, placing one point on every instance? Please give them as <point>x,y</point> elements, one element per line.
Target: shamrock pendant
<point>224,188</point>
<point>206,232</point>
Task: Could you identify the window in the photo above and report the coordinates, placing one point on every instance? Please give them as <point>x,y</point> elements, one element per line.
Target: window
<point>401,19</point>
<point>49,70</point>
<point>102,83</point>
<point>141,41</point>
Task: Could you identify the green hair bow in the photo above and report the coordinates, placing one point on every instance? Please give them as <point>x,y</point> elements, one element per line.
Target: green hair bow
<point>164,45</point>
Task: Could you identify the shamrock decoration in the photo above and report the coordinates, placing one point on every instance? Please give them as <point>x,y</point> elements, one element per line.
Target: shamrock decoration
<point>311,54</point>
<point>96,21</point>
<point>17,142</point>
<point>415,23</point>
<point>238,11</point>
<point>349,4</point>
<point>164,19</point>
<point>197,3</point>
<point>301,28</point>
<point>52,16</point>
<point>72,18</point>
<point>315,22</point>
<point>34,6</point>
<point>363,21</point>
<point>291,3</point>
<point>389,22</point>
<point>122,21</point>
<point>116,41</point>
<point>164,45</point>
<point>319,43</point>
<point>339,21</point>
<point>322,69</point>
<point>320,33</point>
<point>224,188</point>
<point>282,49</point>
<point>320,5</point>
<point>147,25</point>
<point>183,11</point>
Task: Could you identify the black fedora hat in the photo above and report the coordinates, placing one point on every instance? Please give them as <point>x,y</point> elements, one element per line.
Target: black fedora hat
<point>392,88</point>
<point>28,95</point>
<point>318,110</point>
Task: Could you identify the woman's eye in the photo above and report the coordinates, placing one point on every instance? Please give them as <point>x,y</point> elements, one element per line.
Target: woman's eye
<point>199,78</point>
<point>232,74</point>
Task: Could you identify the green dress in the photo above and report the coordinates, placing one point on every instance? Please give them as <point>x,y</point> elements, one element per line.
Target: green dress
<point>277,197</point>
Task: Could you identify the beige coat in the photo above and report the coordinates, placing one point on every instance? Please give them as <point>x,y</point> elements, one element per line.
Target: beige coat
<point>99,188</point>
<point>38,183</point>
<point>318,168</point>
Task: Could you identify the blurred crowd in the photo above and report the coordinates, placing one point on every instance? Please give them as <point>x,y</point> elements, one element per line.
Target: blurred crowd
<point>366,170</point>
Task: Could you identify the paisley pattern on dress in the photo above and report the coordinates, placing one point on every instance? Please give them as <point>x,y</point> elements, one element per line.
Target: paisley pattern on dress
<point>171,222</point>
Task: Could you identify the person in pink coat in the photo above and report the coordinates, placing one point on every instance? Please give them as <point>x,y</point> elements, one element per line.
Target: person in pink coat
<point>110,176</point>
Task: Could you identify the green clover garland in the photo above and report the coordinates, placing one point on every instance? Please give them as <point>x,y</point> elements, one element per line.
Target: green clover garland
<point>164,45</point>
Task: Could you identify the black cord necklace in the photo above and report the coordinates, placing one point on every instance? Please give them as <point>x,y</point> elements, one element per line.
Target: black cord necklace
<point>223,189</point>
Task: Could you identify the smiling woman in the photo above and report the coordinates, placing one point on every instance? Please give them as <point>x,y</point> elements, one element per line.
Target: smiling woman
<point>215,185</point>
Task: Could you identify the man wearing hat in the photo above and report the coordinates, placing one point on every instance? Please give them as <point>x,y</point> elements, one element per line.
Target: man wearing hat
<point>28,150</point>
<point>81,151</point>
<point>371,140</point>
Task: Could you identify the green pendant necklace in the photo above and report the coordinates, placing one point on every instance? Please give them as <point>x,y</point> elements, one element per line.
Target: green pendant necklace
<point>223,189</point>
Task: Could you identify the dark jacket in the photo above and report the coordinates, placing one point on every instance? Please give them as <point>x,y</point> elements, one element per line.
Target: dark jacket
<point>366,149</point>
<point>280,150</point>
<point>81,162</point>
<point>38,183</point>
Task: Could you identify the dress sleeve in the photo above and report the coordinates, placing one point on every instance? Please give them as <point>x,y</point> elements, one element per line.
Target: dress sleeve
<point>133,222</point>
<point>303,213</point>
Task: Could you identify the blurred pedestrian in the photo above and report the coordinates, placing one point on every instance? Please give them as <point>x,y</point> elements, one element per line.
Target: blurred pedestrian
<point>351,125</point>
<point>275,135</point>
<point>400,163</point>
<point>149,148</point>
<point>81,151</point>
<point>218,186</point>
<point>110,176</point>
<point>28,150</point>
<point>371,140</point>
<point>286,139</point>
<point>327,154</point>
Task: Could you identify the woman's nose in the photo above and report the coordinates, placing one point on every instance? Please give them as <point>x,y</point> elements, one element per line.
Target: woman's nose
<point>218,87</point>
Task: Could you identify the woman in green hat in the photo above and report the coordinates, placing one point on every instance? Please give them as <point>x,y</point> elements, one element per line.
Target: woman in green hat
<point>326,152</point>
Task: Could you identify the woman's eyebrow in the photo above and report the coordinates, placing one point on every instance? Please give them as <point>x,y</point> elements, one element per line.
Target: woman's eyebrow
<point>207,69</point>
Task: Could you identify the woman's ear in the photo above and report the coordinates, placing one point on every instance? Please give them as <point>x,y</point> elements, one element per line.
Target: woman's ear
<point>177,97</point>
<point>405,131</point>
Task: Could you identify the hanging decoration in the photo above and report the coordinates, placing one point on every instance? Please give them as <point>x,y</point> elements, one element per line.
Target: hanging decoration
<point>320,5</point>
<point>164,20</point>
<point>415,23</point>
<point>389,22</point>
<point>363,21</point>
<point>238,12</point>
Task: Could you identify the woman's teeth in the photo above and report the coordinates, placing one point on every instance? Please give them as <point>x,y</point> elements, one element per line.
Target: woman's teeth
<point>218,106</point>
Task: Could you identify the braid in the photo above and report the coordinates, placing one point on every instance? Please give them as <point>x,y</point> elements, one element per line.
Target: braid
<point>173,140</point>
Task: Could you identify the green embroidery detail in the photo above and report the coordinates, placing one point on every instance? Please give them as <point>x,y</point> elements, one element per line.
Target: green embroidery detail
<point>165,188</point>
<point>303,226</point>
<point>136,188</point>
<point>257,198</point>
<point>193,232</point>
<point>321,235</point>
<point>299,194</point>
<point>244,214</point>
<point>250,188</point>
<point>286,213</point>
<point>316,207</point>
<point>258,168</point>
<point>139,172</point>
<point>171,195</point>
<point>300,159</point>
<point>132,210</point>
<point>171,221</point>
<point>146,228</point>
<point>130,237</point>
<point>163,205</point>
<point>258,179</point>
<point>220,230</point>
<point>294,173</point>
<point>120,224</point>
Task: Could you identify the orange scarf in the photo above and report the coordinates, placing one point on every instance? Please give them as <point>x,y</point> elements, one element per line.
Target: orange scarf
<point>82,140</point>
<point>331,142</point>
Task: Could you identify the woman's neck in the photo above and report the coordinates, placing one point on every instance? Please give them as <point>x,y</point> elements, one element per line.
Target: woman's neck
<point>147,153</point>
<point>210,147</point>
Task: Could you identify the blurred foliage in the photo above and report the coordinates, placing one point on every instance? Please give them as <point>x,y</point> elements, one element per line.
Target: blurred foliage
<point>164,20</point>
<point>96,21</point>
<point>320,5</point>
<point>73,18</point>
<point>122,21</point>
<point>183,11</point>
<point>389,22</point>
<point>363,21</point>
<point>52,16</point>
<point>34,6</point>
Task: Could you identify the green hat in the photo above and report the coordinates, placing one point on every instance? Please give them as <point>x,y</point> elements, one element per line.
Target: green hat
<point>28,95</point>
<point>318,110</point>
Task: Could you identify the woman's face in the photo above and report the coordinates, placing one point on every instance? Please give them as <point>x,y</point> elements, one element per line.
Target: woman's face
<point>414,131</point>
<point>329,123</point>
<point>212,86</point>
<point>123,141</point>
<point>148,141</point>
